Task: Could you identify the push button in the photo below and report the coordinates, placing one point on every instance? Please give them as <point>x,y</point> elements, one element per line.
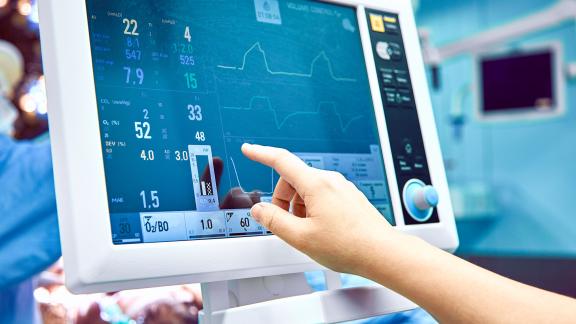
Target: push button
<point>402,78</point>
<point>420,200</point>
<point>405,97</point>
<point>388,78</point>
<point>389,51</point>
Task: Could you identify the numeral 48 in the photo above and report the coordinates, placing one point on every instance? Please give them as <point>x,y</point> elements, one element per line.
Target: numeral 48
<point>200,136</point>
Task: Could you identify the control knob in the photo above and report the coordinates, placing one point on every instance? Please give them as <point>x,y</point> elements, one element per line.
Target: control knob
<point>420,200</point>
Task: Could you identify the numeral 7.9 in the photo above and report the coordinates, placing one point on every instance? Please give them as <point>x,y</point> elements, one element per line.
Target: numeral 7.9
<point>139,76</point>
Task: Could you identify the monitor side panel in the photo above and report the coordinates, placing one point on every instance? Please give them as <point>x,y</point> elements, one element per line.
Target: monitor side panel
<point>73,133</point>
<point>442,231</point>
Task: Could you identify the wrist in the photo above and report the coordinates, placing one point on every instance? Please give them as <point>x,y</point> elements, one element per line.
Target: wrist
<point>388,254</point>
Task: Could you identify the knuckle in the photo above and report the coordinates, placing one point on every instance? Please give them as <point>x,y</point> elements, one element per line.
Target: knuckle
<point>282,155</point>
<point>270,222</point>
<point>322,180</point>
<point>332,179</point>
<point>278,154</point>
<point>281,159</point>
<point>276,195</point>
<point>316,182</point>
<point>337,176</point>
<point>283,152</point>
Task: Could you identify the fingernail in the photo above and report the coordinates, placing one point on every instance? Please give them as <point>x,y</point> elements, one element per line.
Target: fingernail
<point>256,211</point>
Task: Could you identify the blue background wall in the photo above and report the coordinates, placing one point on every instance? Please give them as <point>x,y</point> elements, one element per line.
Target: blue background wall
<point>529,168</point>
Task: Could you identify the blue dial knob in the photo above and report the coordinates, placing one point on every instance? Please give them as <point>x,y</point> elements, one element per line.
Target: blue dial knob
<point>420,199</point>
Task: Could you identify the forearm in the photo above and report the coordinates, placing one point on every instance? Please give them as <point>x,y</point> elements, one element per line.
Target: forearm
<point>455,291</point>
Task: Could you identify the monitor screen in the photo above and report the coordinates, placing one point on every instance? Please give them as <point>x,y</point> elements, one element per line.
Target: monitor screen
<point>518,82</point>
<point>182,84</point>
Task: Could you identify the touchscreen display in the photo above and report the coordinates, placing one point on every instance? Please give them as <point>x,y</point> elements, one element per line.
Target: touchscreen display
<point>182,84</point>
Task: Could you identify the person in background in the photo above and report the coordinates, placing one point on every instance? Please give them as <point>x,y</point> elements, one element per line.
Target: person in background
<point>11,72</point>
<point>29,238</point>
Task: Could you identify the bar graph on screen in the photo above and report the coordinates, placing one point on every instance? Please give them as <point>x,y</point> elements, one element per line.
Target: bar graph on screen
<point>203,178</point>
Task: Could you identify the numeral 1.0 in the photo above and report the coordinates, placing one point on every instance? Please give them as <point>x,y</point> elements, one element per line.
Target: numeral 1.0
<point>207,224</point>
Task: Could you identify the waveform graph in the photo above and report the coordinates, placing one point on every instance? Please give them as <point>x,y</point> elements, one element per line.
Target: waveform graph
<point>264,117</point>
<point>237,175</point>
<point>246,178</point>
<point>256,64</point>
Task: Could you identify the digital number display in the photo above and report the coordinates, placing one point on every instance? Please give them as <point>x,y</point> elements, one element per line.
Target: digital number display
<point>181,85</point>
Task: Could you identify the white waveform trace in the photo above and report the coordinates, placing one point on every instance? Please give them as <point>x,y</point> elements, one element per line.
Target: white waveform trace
<point>240,183</point>
<point>280,122</point>
<point>320,56</point>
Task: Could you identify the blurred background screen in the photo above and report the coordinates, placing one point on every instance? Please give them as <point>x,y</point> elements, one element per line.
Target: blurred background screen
<point>531,74</point>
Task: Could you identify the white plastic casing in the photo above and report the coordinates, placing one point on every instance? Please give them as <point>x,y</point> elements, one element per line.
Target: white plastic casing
<point>94,264</point>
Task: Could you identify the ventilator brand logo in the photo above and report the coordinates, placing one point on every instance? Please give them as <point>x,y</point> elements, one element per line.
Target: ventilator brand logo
<point>268,11</point>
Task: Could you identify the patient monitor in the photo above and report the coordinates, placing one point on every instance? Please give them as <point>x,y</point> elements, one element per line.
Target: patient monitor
<point>150,102</point>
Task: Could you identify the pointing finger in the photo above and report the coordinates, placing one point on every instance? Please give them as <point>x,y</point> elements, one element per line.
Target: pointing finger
<point>288,165</point>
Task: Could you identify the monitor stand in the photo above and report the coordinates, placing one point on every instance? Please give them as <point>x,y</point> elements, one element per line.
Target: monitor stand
<point>289,299</point>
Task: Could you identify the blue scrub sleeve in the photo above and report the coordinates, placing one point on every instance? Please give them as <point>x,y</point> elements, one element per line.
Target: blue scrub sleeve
<point>29,237</point>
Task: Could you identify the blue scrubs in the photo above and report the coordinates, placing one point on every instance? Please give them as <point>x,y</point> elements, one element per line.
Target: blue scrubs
<point>29,238</point>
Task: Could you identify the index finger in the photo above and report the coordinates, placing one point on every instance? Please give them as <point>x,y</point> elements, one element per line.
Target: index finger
<point>288,165</point>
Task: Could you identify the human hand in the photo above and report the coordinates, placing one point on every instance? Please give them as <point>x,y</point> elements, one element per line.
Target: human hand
<point>331,220</point>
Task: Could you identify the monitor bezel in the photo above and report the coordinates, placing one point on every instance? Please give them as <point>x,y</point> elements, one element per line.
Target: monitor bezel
<point>94,264</point>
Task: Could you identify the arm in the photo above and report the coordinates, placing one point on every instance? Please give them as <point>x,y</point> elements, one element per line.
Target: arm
<point>336,225</point>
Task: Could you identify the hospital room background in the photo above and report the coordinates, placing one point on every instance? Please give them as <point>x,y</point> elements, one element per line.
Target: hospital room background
<point>512,172</point>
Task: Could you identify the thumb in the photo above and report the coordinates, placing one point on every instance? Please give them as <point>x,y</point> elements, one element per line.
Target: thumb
<point>280,222</point>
